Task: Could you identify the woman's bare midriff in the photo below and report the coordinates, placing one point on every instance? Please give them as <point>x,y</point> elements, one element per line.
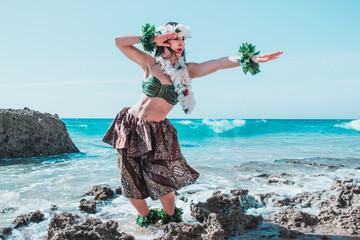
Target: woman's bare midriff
<point>151,108</point>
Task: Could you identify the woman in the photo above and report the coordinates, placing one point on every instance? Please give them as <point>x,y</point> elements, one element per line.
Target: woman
<point>148,153</point>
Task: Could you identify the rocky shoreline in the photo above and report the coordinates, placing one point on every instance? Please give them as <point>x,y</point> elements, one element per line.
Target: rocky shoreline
<point>223,215</point>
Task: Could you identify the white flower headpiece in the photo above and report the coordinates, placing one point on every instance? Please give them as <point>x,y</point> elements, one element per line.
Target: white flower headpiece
<point>182,30</point>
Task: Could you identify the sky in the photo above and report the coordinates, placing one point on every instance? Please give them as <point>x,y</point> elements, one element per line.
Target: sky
<point>60,56</point>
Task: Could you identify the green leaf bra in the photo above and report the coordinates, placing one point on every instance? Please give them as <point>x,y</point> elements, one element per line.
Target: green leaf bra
<point>152,87</point>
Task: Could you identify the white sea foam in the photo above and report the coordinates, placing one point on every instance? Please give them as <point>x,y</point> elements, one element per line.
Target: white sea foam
<point>355,125</point>
<point>185,122</point>
<point>220,126</point>
<point>83,125</point>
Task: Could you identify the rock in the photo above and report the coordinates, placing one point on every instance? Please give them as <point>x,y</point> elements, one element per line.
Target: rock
<point>64,226</point>
<point>264,197</point>
<point>245,199</point>
<point>36,216</point>
<point>315,164</point>
<point>118,190</point>
<point>342,210</point>
<point>264,175</point>
<point>283,202</point>
<point>101,192</point>
<point>288,182</point>
<point>229,211</point>
<point>54,207</point>
<point>23,220</point>
<point>88,206</point>
<point>305,199</point>
<point>211,230</point>
<point>5,231</point>
<point>291,219</point>
<point>182,198</point>
<point>29,133</point>
<point>286,233</point>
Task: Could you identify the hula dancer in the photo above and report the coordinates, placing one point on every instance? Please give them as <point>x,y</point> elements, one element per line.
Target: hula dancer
<point>148,153</point>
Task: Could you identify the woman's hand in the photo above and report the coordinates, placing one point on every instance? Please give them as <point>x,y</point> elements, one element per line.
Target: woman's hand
<point>161,39</point>
<point>266,57</point>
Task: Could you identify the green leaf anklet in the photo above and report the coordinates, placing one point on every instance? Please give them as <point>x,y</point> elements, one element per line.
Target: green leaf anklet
<point>147,39</point>
<point>246,52</point>
<point>152,218</point>
<point>177,217</point>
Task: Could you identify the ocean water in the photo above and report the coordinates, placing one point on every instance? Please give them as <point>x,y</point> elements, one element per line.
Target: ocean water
<point>228,154</point>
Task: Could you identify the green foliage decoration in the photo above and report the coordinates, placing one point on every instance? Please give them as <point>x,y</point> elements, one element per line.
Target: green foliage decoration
<point>246,52</point>
<point>177,217</point>
<point>147,39</point>
<point>152,218</point>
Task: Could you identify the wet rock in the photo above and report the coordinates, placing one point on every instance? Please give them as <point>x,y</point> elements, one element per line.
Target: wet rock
<point>245,199</point>
<point>36,216</point>
<point>5,231</point>
<point>294,219</point>
<point>272,181</point>
<point>8,209</point>
<point>101,192</point>
<point>210,230</point>
<point>23,220</point>
<point>341,210</point>
<point>118,190</point>
<point>191,192</point>
<point>66,226</point>
<point>286,233</point>
<point>305,199</point>
<point>264,197</point>
<point>357,167</point>
<point>54,207</point>
<point>264,175</point>
<point>284,202</point>
<point>88,206</point>
<point>182,198</point>
<point>229,211</point>
<point>29,133</point>
<point>315,164</point>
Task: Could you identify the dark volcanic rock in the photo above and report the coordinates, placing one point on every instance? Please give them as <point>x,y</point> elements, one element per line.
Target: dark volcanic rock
<point>229,211</point>
<point>101,192</point>
<point>88,206</point>
<point>118,190</point>
<point>272,181</point>
<point>315,164</point>
<point>23,220</point>
<point>29,133</point>
<point>5,231</point>
<point>64,226</point>
<point>211,230</point>
<point>290,218</point>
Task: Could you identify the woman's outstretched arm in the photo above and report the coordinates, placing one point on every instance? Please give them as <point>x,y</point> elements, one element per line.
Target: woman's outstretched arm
<point>202,69</point>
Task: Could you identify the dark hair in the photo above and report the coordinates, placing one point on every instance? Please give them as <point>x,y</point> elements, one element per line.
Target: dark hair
<point>161,49</point>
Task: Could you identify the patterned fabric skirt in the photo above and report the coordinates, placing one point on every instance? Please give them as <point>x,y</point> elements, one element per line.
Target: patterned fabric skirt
<point>148,156</point>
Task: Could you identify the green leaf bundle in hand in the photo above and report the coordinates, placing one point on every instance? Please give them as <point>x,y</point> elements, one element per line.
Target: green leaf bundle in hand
<point>246,52</point>
<point>147,39</point>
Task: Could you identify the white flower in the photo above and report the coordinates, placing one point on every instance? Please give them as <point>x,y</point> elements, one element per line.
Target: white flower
<point>181,81</point>
<point>184,30</point>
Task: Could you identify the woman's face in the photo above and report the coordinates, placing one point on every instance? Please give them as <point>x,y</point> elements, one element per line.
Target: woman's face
<point>177,45</point>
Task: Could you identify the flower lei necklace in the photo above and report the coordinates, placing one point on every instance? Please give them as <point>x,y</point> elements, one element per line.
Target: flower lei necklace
<point>181,80</point>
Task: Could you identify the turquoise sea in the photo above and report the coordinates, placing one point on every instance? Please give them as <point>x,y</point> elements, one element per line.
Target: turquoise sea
<point>228,154</point>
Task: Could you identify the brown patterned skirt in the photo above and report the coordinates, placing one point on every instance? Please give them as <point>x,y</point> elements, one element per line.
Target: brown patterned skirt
<point>148,156</point>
